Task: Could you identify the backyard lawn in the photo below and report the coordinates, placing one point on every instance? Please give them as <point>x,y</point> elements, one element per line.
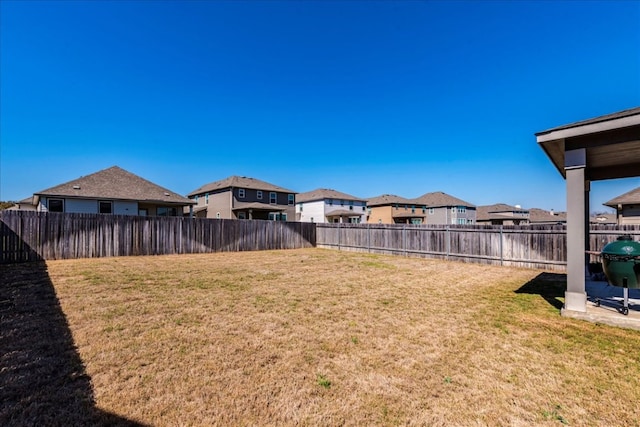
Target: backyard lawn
<point>304,337</point>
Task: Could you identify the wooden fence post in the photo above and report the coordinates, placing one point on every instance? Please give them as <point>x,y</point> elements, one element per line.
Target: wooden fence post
<point>501,246</point>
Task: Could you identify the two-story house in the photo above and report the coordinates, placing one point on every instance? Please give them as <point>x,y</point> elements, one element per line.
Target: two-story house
<point>502,214</point>
<point>392,209</point>
<point>325,205</point>
<point>627,207</point>
<point>239,197</point>
<point>443,208</point>
<point>111,191</point>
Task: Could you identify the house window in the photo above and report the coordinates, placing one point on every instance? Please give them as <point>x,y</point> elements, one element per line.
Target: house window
<point>364,208</point>
<point>196,199</point>
<point>206,199</point>
<point>166,211</point>
<point>105,207</point>
<point>453,209</point>
<point>341,202</point>
<point>56,205</point>
<point>143,212</point>
<point>469,221</point>
<point>241,215</point>
<point>432,211</point>
<point>241,193</point>
<point>462,209</point>
<point>276,216</point>
<point>300,204</point>
<point>424,210</point>
<point>273,198</point>
<point>330,201</point>
<point>413,209</point>
<point>218,215</point>
<point>462,221</point>
<point>291,199</point>
<point>259,194</point>
<point>354,220</point>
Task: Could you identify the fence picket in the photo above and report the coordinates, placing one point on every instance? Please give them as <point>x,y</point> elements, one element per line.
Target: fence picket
<point>31,236</point>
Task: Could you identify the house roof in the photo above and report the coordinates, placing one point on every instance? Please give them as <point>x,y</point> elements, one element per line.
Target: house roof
<point>604,219</point>
<point>325,193</point>
<point>239,182</point>
<point>387,199</point>
<point>544,216</point>
<point>488,212</point>
<point>117,184</point>
<point>342,212</point>
<point>258,206</point>
<point>406,214</point>
<point>438,199</point>
<point>628,198</point>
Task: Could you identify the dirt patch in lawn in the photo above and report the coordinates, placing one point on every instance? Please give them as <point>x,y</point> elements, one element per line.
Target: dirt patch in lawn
<point>321,337</point>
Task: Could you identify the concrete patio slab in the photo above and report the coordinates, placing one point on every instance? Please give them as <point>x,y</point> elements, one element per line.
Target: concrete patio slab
<point>607,312</point>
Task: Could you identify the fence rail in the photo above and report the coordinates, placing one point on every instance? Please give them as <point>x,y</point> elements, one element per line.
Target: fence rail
<point>533,246</point>
<point>32,236</point>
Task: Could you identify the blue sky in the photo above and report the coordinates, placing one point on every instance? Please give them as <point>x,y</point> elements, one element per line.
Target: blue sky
<point>363,97</point>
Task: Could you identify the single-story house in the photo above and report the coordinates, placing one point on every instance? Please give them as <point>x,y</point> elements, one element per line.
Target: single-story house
<point>111,191</point>
<point>542,216</point>
<point>501,214</point>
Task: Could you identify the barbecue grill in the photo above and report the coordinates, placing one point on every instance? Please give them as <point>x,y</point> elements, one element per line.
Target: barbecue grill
<point>621,264</point>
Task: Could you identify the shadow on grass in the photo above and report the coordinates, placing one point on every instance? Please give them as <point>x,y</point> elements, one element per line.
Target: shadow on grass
<point>42,378</point>
<point>550,286</point>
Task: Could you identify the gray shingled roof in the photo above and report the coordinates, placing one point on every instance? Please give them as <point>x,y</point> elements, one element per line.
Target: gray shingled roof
<point>488,212</point>
<point>325,193</point>
<point>239,182</point>
<point>439,199</point>
<point>607,218</point>
<point>541,215</point>
<point>388,199</point>
<point>117,184</point>
<point>629,198</point>
<point>607,117</point>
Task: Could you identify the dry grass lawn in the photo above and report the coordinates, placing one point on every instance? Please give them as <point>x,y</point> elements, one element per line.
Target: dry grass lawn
<point>319,337</point>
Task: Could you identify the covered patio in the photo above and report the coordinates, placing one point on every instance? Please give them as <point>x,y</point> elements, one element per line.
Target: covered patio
<point>605,147</point>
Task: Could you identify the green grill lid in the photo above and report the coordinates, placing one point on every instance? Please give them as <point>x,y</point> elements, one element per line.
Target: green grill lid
<point>624,246</point>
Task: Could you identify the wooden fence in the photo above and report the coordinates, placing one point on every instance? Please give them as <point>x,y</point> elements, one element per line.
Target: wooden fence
<point>32,236</point>
<point>533,246</point>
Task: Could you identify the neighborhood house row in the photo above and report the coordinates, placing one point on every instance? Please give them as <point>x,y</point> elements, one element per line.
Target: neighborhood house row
<point>117,191</point>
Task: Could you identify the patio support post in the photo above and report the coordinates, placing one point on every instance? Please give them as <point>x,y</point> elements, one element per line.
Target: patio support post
<point>575,298</point>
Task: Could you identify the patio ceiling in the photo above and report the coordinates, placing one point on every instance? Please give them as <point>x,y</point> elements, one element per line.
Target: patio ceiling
<point>611,142</point>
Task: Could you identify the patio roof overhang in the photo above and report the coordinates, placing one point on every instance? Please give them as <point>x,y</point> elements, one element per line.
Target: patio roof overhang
<point>605,147</point>
<point>611,145</point>
<point>259,207</point>
<point>342,213</point>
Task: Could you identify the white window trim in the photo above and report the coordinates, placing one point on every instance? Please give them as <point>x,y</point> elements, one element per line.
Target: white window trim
<point>259,194</point>
<point>241,193</point>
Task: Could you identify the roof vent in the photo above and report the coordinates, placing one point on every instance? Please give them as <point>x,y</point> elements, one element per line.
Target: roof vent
<point>166,194</point>
<point>76,187</point>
